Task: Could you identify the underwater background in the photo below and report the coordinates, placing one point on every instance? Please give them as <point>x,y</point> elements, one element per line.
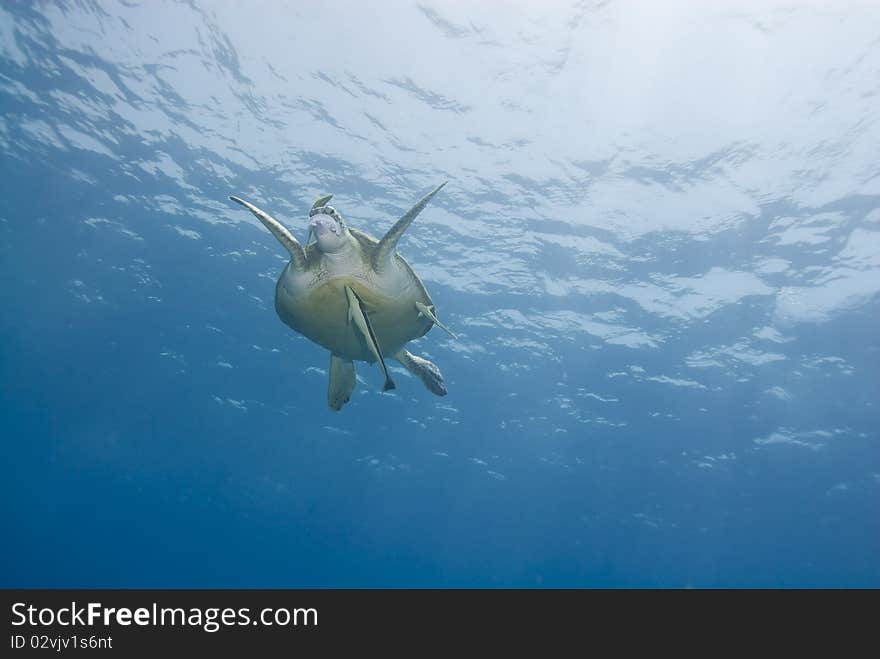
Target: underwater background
<point>659,248</point>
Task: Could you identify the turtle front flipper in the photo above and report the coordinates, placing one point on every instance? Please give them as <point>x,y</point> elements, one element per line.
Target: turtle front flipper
<point>342,381</point>
<point>358,314</point>
<point>386,247</point>
<point>281,232</point>
<point>424,370</point>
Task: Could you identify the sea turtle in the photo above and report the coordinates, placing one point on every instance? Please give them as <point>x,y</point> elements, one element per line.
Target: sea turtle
<point>355,296</point>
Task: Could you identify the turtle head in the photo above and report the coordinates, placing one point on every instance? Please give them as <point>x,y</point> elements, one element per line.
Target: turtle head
<point>327,225</point>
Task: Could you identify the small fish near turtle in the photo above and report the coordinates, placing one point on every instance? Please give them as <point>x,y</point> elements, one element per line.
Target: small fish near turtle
<point>355,296</point>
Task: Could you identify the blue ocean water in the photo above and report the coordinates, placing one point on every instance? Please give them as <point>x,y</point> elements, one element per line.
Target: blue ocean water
<point>659,248</point>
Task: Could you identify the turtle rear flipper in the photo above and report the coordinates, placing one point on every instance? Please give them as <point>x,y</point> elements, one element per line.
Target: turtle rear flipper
<point>342,382</point>
<point>424,370</point>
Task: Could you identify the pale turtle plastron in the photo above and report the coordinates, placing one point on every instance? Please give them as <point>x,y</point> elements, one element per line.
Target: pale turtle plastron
<point>355,296</point>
